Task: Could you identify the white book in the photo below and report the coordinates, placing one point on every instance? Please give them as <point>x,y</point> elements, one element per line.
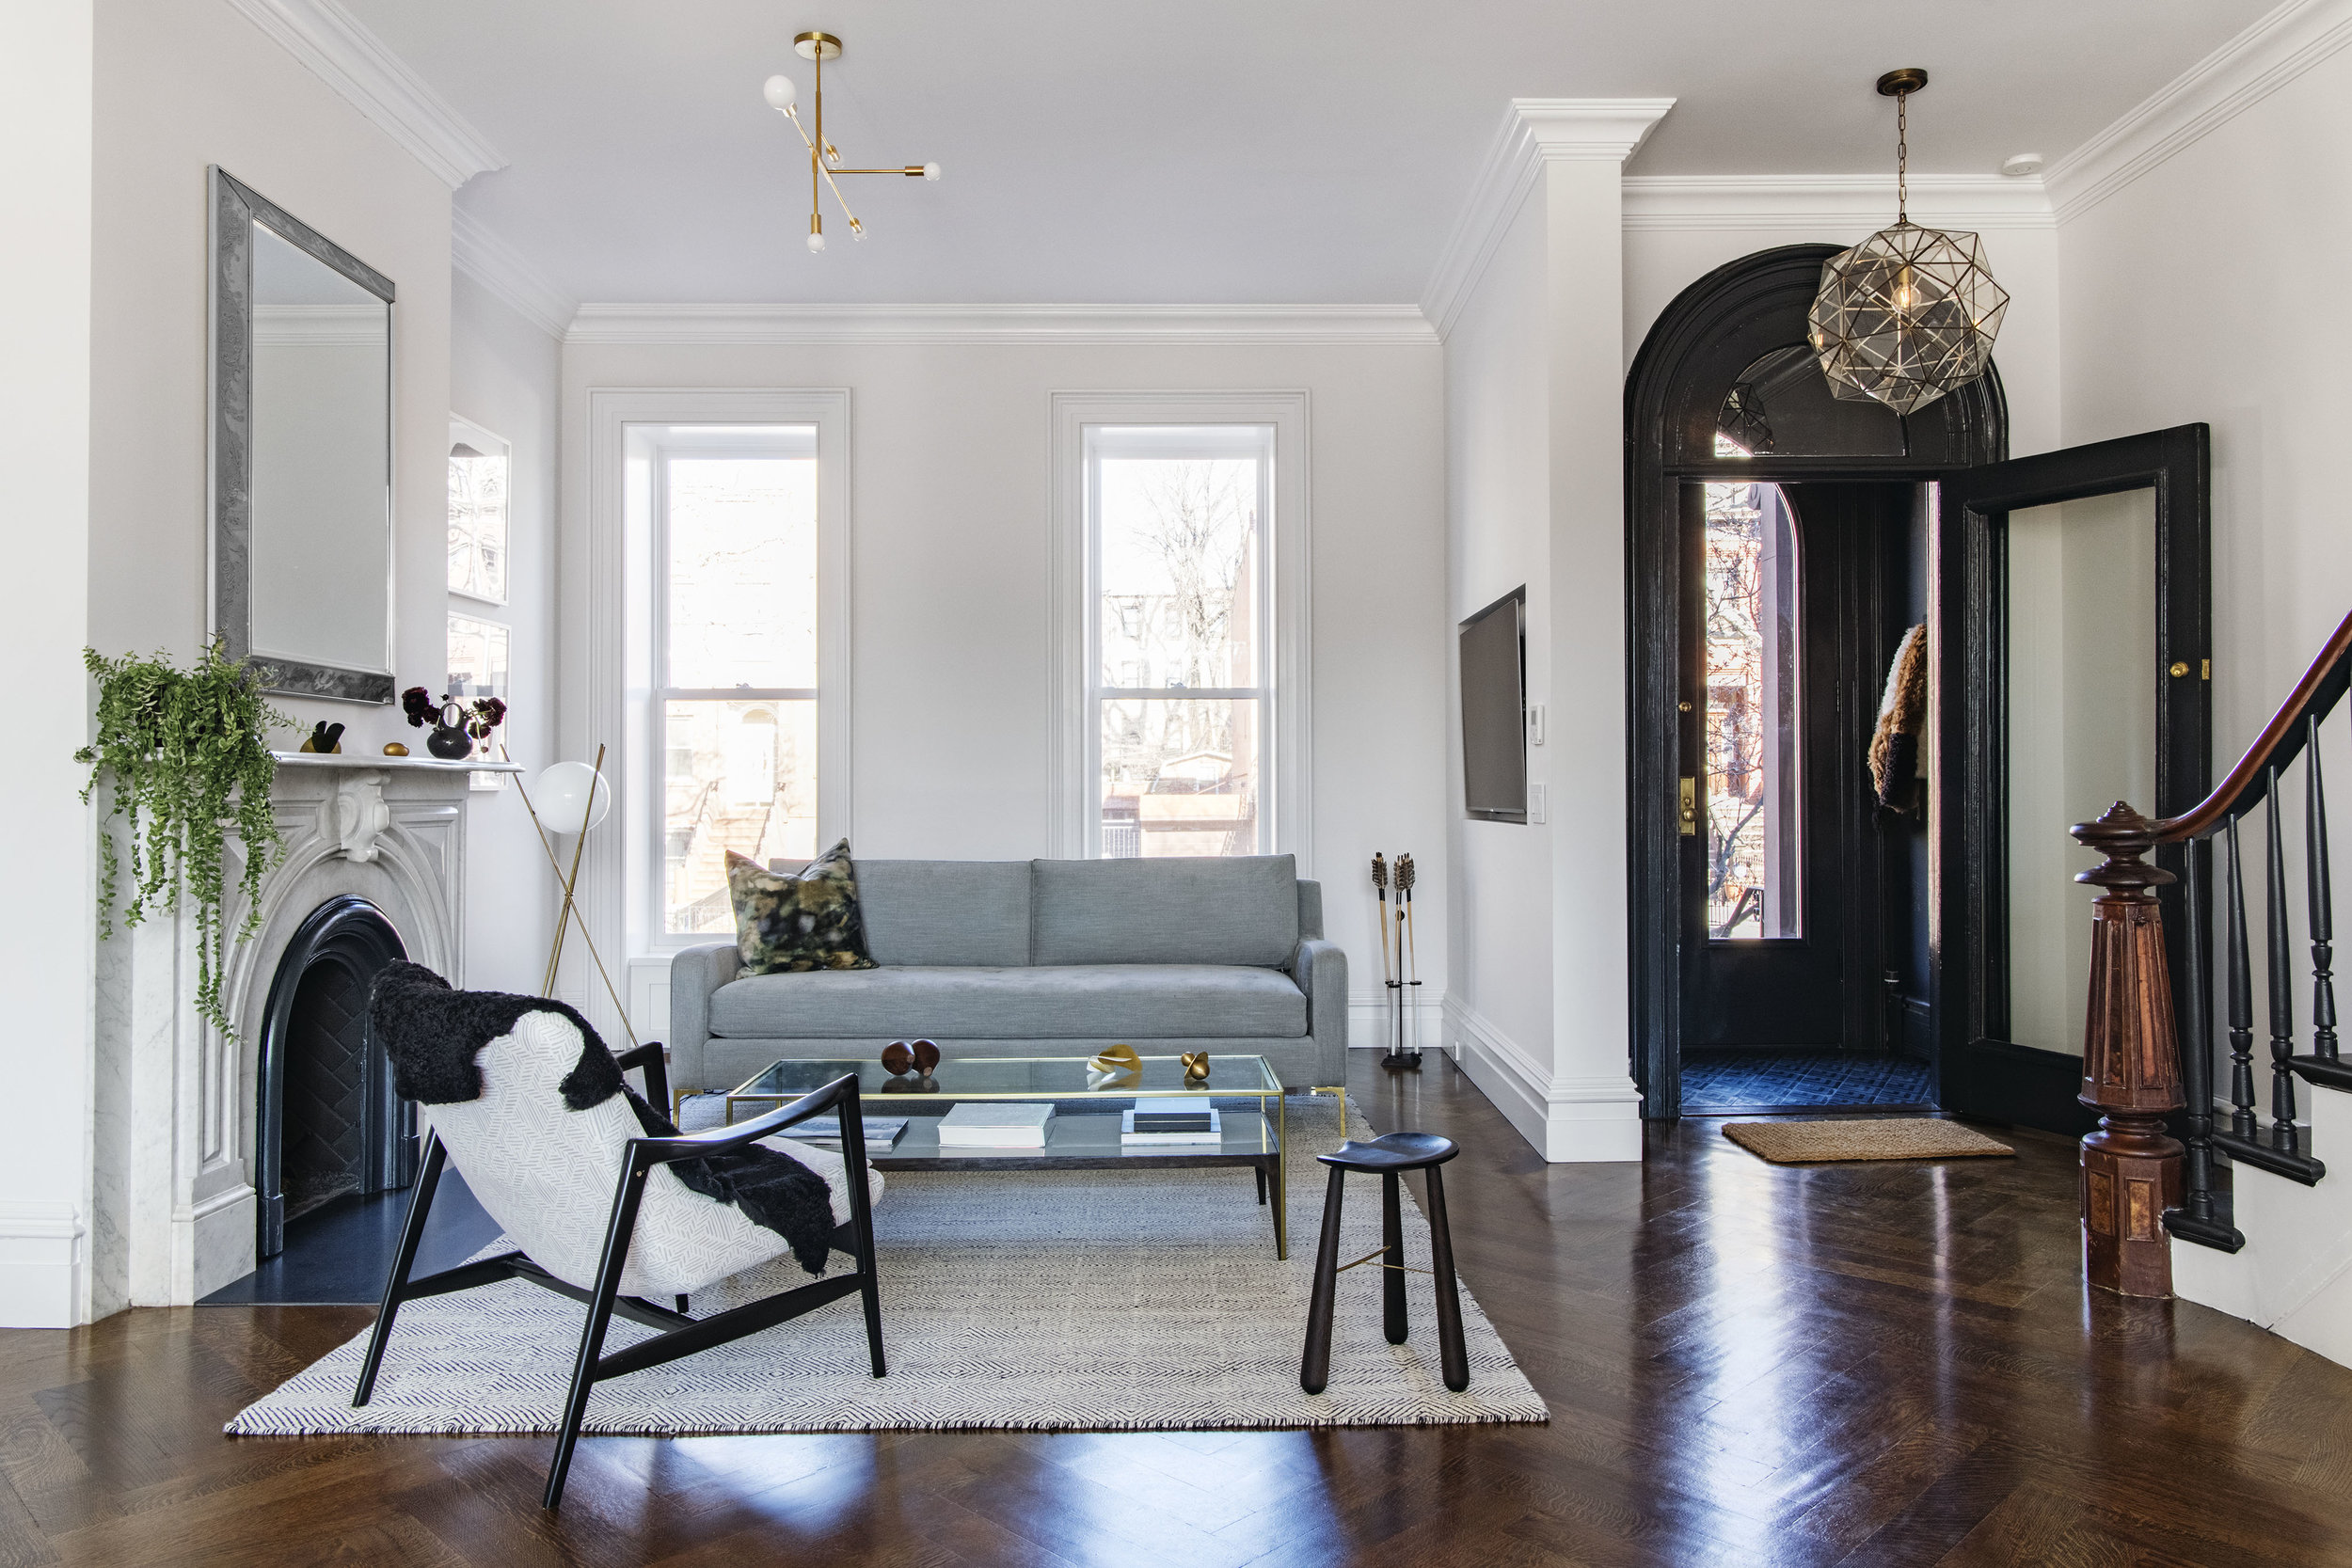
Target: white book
<point>995,1124</point>
<point>1213,1133</point>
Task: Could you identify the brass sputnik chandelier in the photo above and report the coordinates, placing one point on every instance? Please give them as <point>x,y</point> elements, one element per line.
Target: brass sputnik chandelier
<point>1910,313</point>
<point>824,159</point>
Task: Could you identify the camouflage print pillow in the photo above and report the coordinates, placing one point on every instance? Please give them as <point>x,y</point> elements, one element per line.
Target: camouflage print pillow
<point>792,924</point>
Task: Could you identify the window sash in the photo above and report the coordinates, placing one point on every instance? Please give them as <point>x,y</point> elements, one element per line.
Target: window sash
<point>1225,440</point>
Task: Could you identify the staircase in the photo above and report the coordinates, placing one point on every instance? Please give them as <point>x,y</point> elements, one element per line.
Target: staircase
<point>2264,1236</point>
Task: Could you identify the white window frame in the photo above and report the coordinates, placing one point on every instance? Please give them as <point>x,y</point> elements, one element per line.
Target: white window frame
<point>1285,695</point>
<point>618,704</point>
<point>656,445</point>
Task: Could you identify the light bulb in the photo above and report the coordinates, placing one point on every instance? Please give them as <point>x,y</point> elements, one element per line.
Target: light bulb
<point>931,172</point>
<point>780,93</point>
<point>816,244</point>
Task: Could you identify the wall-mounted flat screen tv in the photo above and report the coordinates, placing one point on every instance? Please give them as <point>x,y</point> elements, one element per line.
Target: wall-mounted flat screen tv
<point>1494,710</point>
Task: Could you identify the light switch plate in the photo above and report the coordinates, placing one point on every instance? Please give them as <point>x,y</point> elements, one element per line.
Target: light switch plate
<point>1536,726</point>
<point>1537,804</point>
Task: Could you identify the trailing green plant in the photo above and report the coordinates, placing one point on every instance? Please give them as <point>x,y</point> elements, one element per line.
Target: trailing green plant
<point>189,757</point>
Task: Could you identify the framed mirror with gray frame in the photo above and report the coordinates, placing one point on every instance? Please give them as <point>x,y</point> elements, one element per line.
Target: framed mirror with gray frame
<point>300,459</point>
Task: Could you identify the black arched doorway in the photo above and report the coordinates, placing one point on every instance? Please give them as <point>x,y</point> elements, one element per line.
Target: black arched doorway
<point>1778,547</point>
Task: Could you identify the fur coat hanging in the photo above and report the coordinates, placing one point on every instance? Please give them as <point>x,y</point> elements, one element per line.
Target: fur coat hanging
<point>1902,718</point>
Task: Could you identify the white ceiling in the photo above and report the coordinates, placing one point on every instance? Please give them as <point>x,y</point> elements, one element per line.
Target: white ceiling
<point>1218,152</point>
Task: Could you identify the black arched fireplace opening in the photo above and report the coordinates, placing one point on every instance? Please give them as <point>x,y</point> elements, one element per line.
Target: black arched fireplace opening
<point>330,1124</point>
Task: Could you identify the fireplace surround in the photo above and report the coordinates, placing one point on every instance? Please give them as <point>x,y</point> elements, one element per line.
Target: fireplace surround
<point>176,1200</point>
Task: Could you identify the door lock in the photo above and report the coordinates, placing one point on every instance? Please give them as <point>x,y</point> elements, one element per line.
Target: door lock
<point>1690,807</point>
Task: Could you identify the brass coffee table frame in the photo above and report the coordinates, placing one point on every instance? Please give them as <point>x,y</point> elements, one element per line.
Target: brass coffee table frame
<point>1169,1154</point>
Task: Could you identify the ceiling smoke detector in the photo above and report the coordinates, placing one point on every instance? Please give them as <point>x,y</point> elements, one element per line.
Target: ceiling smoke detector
<point>2022,165</point>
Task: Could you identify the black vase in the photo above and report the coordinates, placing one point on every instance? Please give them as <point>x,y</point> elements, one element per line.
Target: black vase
<point>450,742</point>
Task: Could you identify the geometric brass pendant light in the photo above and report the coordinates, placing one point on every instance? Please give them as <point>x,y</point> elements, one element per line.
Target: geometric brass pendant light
<point>824,159</point>
<point>1910,313</point>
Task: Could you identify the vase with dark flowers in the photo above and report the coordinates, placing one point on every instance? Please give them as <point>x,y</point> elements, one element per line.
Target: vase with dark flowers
<point>458,727</point>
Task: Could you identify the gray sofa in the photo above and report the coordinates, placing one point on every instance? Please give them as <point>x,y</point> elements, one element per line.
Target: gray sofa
<point>1042,958</point>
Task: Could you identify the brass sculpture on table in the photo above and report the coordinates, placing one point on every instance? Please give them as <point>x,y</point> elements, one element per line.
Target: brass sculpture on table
<point>1115,1067</point>
<point>1196,1066</point>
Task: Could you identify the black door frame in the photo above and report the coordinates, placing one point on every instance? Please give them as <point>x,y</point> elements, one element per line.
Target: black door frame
<point>1713,329</point>
<point>1979,1069</point>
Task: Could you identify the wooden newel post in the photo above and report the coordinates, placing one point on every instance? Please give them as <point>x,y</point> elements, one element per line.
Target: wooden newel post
<point>2131,1065</point>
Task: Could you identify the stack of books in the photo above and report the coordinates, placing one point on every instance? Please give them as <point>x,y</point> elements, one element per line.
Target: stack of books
<point>995,1124</point>
<point>1145,1128</point>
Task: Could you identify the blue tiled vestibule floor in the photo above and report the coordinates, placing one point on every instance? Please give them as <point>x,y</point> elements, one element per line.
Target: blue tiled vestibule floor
<point>1745,1079</point>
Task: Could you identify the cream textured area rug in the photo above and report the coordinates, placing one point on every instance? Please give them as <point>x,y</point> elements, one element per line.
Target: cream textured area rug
<point>1801,1143</point>
<point>1079,1300</point>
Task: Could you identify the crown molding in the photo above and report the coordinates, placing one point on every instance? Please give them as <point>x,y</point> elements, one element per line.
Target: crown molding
<point>340,52</point>
<point>1535,131</point>
<point>508,273</point>
<point>2217,89</point>
<point>1328,325</point>
<point>1831,206</point>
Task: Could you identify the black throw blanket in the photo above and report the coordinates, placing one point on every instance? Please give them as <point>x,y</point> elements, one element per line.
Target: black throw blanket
<point>432,1033</point>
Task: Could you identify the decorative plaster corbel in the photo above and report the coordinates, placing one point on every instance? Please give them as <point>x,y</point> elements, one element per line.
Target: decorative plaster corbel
<point>355,815</point>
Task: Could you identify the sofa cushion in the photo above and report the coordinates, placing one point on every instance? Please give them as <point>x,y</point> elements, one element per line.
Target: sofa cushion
<point>946,912</point>
<point>807,921</point>
<point>1236,910</point>
<point>1082,1002</point>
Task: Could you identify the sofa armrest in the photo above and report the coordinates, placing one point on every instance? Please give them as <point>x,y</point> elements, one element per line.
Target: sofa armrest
<point>1320,968</point>
<point>694,974</point>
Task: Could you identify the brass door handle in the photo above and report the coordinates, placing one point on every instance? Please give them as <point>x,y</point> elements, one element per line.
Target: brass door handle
<point>1690,807</point>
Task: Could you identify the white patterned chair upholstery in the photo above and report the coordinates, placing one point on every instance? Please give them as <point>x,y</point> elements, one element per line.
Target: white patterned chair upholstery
<point>599,1215</point>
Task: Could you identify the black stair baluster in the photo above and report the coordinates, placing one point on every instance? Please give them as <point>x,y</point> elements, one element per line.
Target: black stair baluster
<point>2322,900</point>
<point>2285,1137</point>
<point>2241,1000</point>
<point>2199,1218</point>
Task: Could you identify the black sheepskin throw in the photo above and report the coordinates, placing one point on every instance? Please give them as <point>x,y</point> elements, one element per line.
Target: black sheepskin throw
<point>432,1033</point>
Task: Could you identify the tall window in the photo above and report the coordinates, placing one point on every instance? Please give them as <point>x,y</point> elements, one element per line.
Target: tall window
<point>1177,548</point>
<point>1753,870</point>
<point>734,634</point>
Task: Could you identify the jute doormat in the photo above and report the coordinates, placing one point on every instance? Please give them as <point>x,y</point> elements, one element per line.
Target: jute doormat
<point>1799,1143</point>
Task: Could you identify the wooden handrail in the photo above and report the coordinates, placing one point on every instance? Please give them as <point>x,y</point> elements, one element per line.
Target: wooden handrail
<point>2281,741</point>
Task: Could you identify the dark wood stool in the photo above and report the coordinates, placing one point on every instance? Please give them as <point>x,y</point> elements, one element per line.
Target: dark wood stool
<point>1388,1158</point>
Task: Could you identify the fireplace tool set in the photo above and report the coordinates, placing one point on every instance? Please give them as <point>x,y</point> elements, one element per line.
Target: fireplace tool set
<point>1400,965</point>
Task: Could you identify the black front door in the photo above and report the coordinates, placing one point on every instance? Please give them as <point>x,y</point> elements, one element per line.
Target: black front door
<point>2074,666</point>
<point>1796,595</point>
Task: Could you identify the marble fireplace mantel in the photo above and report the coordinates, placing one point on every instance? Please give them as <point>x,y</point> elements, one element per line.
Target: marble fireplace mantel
<point>173,1202</point>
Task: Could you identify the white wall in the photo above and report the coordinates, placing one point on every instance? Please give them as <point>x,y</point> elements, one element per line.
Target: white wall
<point>1498,510</point>
<point>46,84</point>
<point>951,589</point>
<point>505,374</point>
<point>178,87</point>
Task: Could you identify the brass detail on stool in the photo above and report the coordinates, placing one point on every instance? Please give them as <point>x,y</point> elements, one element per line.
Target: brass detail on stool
<point>2180,667</point>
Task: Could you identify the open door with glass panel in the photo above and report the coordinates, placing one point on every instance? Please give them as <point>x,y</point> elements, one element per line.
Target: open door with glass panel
<point>2074,669</point>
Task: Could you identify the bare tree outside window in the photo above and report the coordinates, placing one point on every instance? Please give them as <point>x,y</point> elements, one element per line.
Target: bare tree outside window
<point>1179,553</point>
<point>1750,575</point>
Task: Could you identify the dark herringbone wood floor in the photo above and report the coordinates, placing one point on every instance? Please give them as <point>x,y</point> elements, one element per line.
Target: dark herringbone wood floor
<point>1746,1365</point>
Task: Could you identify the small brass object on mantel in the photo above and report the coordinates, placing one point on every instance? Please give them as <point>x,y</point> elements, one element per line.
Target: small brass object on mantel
<point>325,740</point>
<point>394,749</point>
<point>1196,1066</point>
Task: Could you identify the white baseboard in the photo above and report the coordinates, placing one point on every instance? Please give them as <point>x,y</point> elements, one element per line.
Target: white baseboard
<point>1567,1121</point>
<point>1369,1026</point>
<point>2293,1275</point>
<point>41,1258</point>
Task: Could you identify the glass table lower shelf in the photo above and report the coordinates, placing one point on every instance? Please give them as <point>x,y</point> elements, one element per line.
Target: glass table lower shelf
<point>1084,1134</point>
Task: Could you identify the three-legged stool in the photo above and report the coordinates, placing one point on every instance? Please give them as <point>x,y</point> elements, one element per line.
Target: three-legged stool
<point>1389,1157</point>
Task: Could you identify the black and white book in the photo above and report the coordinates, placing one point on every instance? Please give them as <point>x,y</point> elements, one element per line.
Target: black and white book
<point>996,1124</point>
<point>1143,1128</point>
<point>880,1131</point>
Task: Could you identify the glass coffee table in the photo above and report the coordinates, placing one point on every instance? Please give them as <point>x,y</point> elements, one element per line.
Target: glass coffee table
<point>1084,1134</point>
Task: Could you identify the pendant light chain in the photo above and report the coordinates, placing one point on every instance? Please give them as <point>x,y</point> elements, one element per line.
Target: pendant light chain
<point>1903,158</point>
